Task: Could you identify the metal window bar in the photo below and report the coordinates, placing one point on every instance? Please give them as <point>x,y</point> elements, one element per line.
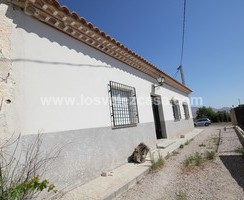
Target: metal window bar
<point>179,113</point>
<point>186,111</point>
<point>176,109</point>
<point>123,103</point>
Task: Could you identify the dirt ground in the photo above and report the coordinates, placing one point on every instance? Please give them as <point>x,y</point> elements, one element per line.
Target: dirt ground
<point>221,178</point>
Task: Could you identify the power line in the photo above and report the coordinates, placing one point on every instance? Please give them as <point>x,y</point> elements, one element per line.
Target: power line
<point>183,35</point>
<point>182,48</point>
<point>176,73</point>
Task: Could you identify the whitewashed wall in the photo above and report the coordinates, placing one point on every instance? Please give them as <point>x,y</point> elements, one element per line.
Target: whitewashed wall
<point>167,94</point>
<point>51,64</point>
<point>48,63</point>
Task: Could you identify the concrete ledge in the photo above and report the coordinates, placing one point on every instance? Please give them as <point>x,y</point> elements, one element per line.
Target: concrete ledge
<point>176,144</point>
<point>164,143</point>
<point>109,187</point>
<point>240,134</point>
<point>124,177</point>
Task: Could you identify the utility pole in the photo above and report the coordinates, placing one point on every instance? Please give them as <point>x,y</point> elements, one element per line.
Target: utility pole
<point>182,46</point>
<point>182,75</point>
<point>239,100</point>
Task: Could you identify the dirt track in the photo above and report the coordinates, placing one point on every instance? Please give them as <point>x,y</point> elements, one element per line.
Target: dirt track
<point>222,178</point>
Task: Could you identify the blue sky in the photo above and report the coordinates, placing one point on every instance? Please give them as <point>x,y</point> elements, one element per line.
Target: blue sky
<point>214,41</point>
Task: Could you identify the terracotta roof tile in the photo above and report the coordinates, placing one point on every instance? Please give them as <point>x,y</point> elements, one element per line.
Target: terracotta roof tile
<point>73,15</point>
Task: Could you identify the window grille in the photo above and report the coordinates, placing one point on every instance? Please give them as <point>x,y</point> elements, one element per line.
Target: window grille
<point>124,112</point>
<point>176,109</point>
<point>186,110</point>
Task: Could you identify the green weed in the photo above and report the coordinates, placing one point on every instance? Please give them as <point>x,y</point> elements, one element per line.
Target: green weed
<point>240,150</point>
<point>210,155</point>
<point>181,196</point>
<point>157,164</point>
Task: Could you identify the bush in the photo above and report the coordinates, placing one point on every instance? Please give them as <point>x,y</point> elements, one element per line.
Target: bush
<point>210,155</point>
<point>157,164</point>
<point>27,188</point>
<point>181,146</point>
<point>20,177</point>
<point>188,161</point>
<point>196,159</point>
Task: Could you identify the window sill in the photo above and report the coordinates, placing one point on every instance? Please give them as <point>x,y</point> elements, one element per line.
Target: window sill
<point>124,126</point>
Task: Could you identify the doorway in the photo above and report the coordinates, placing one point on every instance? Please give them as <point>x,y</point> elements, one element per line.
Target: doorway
<point>158,117</point>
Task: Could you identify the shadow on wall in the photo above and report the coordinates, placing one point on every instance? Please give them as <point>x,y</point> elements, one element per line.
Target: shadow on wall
<point>235,165</point>
<point>42,30</point>
<point>88,152</point>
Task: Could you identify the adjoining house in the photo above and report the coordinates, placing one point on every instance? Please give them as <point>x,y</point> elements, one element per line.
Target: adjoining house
<point>83,90</point>
<point>237,116</point>
<point>237,119</point>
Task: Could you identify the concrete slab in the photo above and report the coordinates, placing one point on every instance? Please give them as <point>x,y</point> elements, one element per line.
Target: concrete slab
<point>164,143</point>
<point>124,177</point>
<point>109,187</point>
<point>174,146</point>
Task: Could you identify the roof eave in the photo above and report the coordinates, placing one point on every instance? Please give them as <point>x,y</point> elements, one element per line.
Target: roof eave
<point>50,12</point>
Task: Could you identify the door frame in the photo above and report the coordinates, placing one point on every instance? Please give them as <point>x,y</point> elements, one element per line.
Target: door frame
<point>160,121</point>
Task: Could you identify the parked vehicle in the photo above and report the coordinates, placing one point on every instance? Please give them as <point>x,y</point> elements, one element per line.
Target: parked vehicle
<point>202,122</point>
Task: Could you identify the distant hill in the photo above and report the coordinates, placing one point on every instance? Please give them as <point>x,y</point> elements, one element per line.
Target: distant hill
<point>195,109</point>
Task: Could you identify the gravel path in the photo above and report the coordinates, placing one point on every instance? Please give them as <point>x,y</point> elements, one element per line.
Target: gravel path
<point>222,178</point>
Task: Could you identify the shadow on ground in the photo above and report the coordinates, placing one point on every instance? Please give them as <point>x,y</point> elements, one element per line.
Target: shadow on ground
<point>235,165</point>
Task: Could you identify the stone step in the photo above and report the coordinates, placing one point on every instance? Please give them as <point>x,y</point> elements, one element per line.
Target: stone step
<point>164,143</point>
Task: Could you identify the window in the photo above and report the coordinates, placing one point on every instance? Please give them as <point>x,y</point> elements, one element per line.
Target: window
<point>176,109</point>
<point>186,110</point>
<point>123,104</point>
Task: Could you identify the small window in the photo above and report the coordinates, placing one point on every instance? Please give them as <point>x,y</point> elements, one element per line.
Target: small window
<point>186,111</point>
<point>176,109</point>
<point>123,104</point>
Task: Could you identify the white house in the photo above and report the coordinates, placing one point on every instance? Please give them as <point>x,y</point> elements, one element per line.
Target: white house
<point>58,74</point>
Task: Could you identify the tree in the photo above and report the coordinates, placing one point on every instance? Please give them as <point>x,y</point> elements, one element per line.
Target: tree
<point>208,112</point>
<point>205,112</point>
